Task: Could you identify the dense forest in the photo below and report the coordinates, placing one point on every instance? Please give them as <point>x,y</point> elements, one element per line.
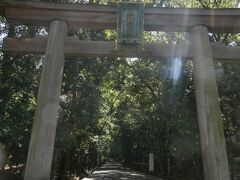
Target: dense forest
<point>118,108</point>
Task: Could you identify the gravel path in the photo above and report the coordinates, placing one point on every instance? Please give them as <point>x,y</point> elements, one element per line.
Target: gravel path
<point>114,171</point>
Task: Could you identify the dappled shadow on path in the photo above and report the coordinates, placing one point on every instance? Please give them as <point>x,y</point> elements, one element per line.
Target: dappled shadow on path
<point>116,172</point>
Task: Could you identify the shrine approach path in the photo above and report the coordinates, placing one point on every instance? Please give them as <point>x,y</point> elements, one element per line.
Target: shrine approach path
<point>115,171</point>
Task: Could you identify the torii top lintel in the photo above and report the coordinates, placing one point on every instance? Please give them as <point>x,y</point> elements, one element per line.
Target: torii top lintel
<point>104,17</point>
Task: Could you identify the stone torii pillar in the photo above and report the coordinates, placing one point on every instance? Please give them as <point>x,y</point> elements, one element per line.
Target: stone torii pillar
<point>213,145</point>
<point>41,146</point>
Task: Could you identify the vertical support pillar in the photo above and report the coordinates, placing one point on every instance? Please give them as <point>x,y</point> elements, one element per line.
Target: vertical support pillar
<point>41,146</point>
<point>151,162</point>
<point>213,145</point>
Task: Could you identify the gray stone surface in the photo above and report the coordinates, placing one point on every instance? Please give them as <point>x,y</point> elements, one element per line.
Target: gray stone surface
<point>114,171</point>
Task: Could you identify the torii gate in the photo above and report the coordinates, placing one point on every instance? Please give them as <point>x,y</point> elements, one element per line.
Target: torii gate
<point>60,17</point>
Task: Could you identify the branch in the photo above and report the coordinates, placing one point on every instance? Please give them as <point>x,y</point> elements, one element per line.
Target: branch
<point>109,113</point>
<point>144,82</point>
<point>225,38</point>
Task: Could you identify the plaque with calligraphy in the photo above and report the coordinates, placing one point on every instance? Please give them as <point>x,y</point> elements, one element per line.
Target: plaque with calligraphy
<point>130,22</point>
